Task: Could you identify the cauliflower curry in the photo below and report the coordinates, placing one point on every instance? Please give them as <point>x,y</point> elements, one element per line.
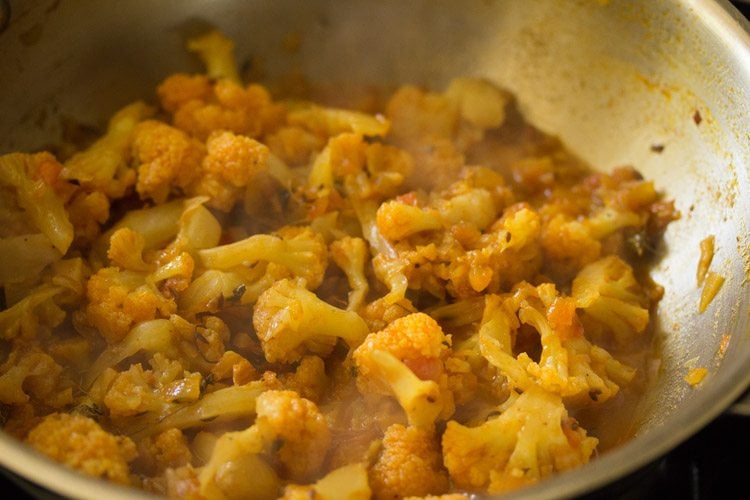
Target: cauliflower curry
<point>230,294</point>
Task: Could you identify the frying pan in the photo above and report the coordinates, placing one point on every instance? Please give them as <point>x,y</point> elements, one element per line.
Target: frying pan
<point>663,85</point>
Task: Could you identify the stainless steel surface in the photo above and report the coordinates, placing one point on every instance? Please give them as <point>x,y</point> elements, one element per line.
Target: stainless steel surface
<point>611,78</point>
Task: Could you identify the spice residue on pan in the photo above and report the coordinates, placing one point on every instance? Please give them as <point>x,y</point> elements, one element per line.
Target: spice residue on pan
<point>711,286</point>
<point>707,247</point>
<point>696,375</point>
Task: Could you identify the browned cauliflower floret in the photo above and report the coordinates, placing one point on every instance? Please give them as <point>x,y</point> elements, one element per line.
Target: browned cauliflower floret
<point>167,159</point>
<point>290,320</point>
<point>118,300</point>
<point>409,464</point>
<point>80,443</point>
<point>288,427</point>
<point>532,438</point>
<point>406,359</point>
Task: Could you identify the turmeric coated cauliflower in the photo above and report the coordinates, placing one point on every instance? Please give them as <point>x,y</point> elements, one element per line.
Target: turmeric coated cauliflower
<point>117,300</point>
<point>288,427</point>
<point>532,438</point>
<point>612,300</point>
<point>80,443</point>
<point>409,464</point>
<point>407,359</point>
<point>349,482</point>
<point>289,320</point>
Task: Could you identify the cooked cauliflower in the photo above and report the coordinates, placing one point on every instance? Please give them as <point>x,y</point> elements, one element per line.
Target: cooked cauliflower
<point>407,359</point>
<point>80,443</point>
<point>166,159</point>
<point>409,464</point>
<point>118,300</point>
<point>290,320</point>
<point>349,482</point>
<point>531,439</point>
<point>288,427</point>
<point>612,300</point>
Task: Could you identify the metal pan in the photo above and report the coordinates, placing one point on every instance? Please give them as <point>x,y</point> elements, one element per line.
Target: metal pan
<point>611,78</point>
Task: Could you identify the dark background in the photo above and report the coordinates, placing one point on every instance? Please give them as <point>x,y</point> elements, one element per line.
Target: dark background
<point>714,464</point>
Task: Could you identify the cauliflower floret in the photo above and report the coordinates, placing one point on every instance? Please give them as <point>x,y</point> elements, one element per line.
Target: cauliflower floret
<point>300,426</point>
<point>234,158</point>
<point>300,250</point>
<point>179,89</point>
<point>309,379</point>
<point>332,121</point>
<point>612,301</point>
<point>154,336</point>
<point>41,207</point>
<point>36,311</point>
<point>294,145</point>
<point>407,359</point>
<point>32,375</point>
<point>217,53</point>
<point>397,220</point>
<point>532,438</point>
<point>479,102</point>
<point>168,449</point>
<point>569,365</point>
<point>349,166</point>
<point>509,253</point>
<point>166,159</point>
<point>231,163</point>
<point>568,246</point>
<point>215,289</point>
<point>103,166</point>
<point>288,427</point>
<point>416,339</point>
<point>136,390</point>
<point>289,320</point>
<point>409,464</point>
<point>425,124</point>
<point>351,255</point>
<point>349,482</point>
<point>461,260</point>
<point>80,443</point>
<point>227,404</point>
<point>246,110</point>
<point>117,300</point>
<point>233,366</point>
